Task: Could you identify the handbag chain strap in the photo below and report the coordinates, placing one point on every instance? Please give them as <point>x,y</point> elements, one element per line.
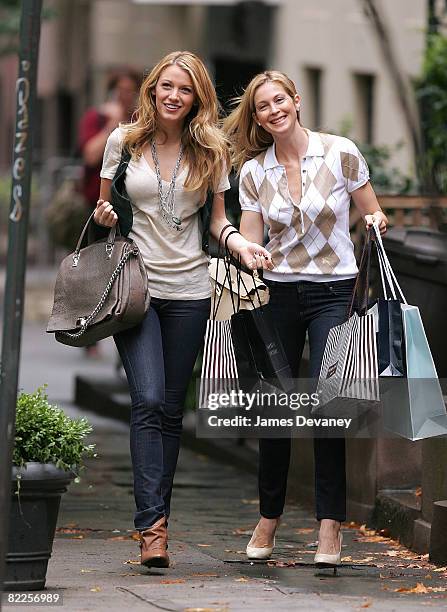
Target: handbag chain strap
<point>87,320</point>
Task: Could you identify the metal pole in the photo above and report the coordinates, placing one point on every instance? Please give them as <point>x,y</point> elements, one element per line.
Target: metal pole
<point>16,259</point>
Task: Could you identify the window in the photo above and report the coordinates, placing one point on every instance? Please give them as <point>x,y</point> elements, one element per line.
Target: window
<point>313,98</point>
<point>364,107</point>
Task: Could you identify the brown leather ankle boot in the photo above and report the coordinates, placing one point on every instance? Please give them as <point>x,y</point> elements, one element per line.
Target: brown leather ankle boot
<point>153,544</point>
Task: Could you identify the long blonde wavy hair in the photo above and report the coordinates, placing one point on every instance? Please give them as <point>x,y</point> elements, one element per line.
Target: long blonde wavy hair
<point>206,150</point>
<point>247,138</point>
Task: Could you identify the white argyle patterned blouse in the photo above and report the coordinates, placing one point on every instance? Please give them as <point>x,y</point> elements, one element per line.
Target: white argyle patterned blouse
<point>309,240</point>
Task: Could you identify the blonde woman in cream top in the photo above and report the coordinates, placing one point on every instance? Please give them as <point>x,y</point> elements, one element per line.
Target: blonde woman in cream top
<point>178,155</point>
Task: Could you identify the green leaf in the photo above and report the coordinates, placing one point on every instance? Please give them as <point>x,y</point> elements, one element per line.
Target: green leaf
<point>44,433</point>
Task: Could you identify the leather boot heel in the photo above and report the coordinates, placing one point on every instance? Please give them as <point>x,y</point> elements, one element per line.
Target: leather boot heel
<point>153,545</point>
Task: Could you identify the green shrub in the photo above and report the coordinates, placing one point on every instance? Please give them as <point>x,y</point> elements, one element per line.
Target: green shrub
<point>44,433</point>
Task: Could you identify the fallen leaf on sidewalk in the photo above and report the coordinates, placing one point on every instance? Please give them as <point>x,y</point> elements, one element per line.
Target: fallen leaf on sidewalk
<point>251,501</point>
<point>281,564</point>
<point>235,552</point>
<point>367,604</point>
<point>352,525</point>
<point>87,571</point>
<point>351,560</point>
<point>173,581</point>
<point>241,580</point>
<point>242,532</point>
<point>374,538</point>
<point>304,530</point>
<point>204,545</point>
<point>118,538</point>
<point>76,537</point>
<point>419,588</point>
<point>367,532</point>
<point>306,552</point>
<point>132,562</point>
<point>95,589</point>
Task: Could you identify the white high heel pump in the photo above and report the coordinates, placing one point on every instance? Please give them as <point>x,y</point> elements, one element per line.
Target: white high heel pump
<point>261,552</point>
<point>323,560</point>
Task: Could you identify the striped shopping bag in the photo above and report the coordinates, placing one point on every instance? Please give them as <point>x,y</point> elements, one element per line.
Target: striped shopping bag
<point>349,369</point>
<point>349,366</point>
<point>219,368</point>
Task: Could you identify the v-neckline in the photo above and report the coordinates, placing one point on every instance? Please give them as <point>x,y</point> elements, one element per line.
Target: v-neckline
<point>155,174</point>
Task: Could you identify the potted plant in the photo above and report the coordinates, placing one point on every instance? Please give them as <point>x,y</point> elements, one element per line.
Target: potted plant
<point>49,450</point>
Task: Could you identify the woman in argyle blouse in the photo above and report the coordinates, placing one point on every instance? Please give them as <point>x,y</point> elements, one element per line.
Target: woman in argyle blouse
<point>298,184</point>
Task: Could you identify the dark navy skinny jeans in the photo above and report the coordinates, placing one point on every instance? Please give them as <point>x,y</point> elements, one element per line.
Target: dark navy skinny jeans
<point>158,357</point>
<point>298,308</point>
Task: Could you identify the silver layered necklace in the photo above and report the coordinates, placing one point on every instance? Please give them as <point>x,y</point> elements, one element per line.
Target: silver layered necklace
<point>167,199</point>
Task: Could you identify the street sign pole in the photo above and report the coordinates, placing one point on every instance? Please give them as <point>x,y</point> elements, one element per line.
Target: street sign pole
<point>16,258</point>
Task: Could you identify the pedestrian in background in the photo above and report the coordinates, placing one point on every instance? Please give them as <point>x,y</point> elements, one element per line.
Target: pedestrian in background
<point>95,126</point>
<point>179,154</point>
<point>97,123</point>
<point>299,184</point>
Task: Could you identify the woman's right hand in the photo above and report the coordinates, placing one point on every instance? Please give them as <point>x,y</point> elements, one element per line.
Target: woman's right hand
<point>104,214</point>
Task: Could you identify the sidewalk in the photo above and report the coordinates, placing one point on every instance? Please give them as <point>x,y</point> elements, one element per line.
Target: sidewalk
<point>95,556</point>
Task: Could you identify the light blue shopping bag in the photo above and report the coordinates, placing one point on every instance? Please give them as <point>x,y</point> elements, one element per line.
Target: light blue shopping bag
<point>412,406</point>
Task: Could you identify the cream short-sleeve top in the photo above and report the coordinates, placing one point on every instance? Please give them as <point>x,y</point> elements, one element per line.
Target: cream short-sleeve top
<point>177,267</point>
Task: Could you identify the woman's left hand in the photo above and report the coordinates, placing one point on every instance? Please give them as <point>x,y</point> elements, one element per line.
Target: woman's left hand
<point>254,256</point>
<point>378,217</point>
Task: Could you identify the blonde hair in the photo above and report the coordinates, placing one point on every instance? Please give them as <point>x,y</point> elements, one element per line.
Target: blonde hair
<point>206,150</point>
<point>247,138</point>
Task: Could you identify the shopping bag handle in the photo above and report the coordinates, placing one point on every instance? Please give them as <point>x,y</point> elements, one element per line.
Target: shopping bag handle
<point>230,259</point>
<point>220,251</point>
<point>363,273</point>
<point>386,270</point>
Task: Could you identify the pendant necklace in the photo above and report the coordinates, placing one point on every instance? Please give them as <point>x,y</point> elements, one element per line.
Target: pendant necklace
<point>167,199</point>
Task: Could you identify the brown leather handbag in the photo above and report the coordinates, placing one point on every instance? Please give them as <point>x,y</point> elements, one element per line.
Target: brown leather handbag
<point>100,290</point>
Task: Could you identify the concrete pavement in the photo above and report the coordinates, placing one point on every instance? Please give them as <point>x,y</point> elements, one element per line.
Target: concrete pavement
<point>95,555</point>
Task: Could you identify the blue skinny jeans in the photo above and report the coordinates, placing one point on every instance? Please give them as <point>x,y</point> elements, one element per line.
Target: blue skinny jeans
<point>158,357</point>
